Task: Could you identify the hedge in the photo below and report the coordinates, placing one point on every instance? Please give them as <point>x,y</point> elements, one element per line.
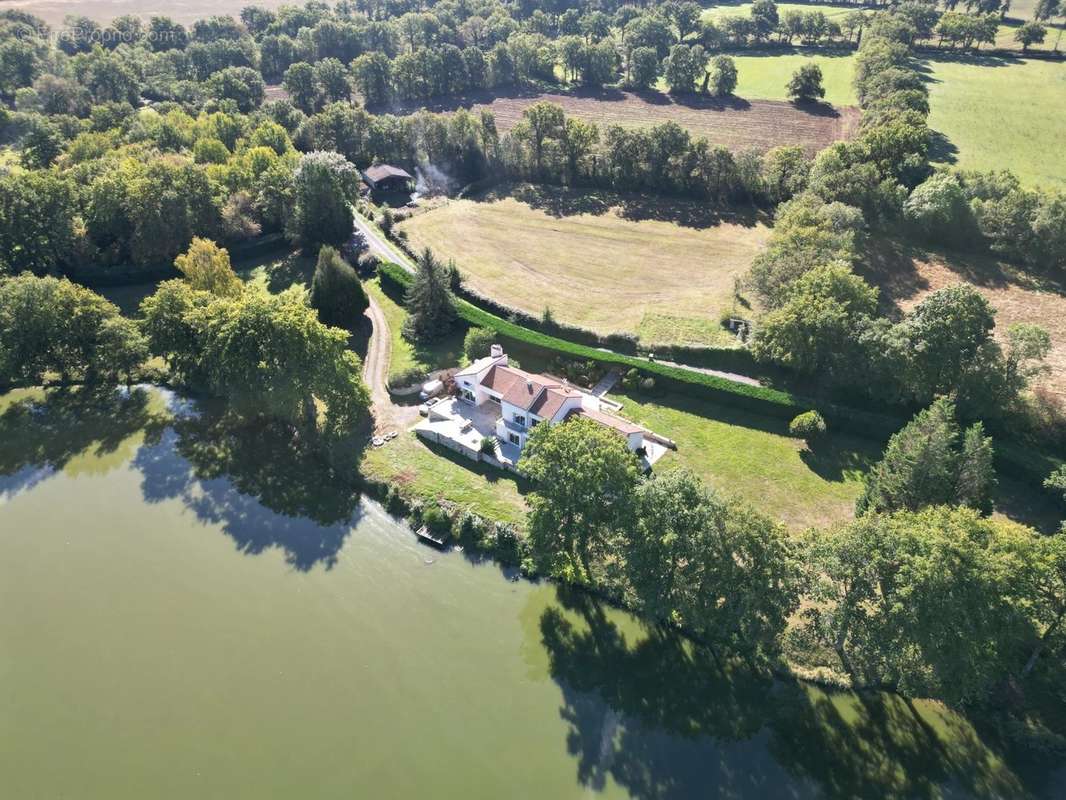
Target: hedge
<point>770,402</point>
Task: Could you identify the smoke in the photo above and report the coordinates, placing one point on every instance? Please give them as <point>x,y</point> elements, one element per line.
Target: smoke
<point>431,180</point>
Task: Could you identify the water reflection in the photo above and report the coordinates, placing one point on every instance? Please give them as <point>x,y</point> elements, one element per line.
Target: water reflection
<point>77,431</point>
<point>742,734</point>
<point>264,486</point>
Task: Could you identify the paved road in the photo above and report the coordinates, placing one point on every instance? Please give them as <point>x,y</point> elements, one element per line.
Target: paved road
<point>378,245</point>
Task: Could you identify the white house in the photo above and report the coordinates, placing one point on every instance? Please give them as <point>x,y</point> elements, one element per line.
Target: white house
<point>526,400</point>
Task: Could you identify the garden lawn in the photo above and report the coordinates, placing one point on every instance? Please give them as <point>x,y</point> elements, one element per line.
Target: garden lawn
<point>599,260</point>
<point>431,472</point>
<point>998,113</point>
<point>405,356</point>
<point>753,458</point>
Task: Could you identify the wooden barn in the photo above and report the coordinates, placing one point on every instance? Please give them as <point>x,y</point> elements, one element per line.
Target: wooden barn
<point>387,178</point>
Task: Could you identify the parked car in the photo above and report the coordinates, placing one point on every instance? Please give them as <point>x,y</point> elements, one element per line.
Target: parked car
<point>426,406</point>
<point>431,389</point>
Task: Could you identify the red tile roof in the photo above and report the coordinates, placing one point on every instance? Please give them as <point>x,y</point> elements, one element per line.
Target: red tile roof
<point>549,403</point>
<point>623,426</point>
<point>517,387</point>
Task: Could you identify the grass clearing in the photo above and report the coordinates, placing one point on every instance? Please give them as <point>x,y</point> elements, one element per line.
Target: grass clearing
<point>998,113</point>
<point>753,458</point>
<point>598,259</point>
<point>431,472</point>
<point>764,75</point>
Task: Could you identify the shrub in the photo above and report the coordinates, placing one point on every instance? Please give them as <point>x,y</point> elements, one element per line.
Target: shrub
<point>478,342</point>
<point>808,425</point>
<point>437,520</point>
<point>488,445</point>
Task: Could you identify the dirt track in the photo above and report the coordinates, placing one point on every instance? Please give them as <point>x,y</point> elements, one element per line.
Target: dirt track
<point>732,122</point>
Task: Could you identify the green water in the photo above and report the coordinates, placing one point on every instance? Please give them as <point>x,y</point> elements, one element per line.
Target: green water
<point>189,611</point>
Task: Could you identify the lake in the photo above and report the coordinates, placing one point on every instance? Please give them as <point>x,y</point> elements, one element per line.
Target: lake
<point>193,610</point>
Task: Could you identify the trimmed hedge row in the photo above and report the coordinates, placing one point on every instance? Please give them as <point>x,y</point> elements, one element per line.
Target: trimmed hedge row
<point>769,402</point>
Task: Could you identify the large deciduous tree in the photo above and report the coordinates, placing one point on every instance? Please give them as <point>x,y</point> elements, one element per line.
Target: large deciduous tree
<point>206,266</point>
<point>586,490</point>
<point>325,186</point>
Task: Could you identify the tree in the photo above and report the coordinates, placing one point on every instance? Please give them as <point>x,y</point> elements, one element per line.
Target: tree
<point>373,76</point>
<point>784,172</point>
<point>325,186</point>
<point>50,325</point>
<point>42,144</point>
<point>336,291</point>
<point>806,83</point>
<point>543,121</point>
<point>643,67</point>
<point>926,464</point>
<point>578,139</point>
<point>808,425</point>
<point>429,302</point>
<point>267,354</point>
<point>815,331</point>
<point>683,67</point>
<point>299,82</point>
<point>478,343</point>
<point>331,78</point>
<point>723,76</point>
<point>764,18</point>
<point>36,222</point>
<point>206,267</point>
<point>945,333</point>
<point>939,211</point>
<point>243,85</point>
<point>1029,34</point>
<point>889,592</point>
<point>586,480</point>
<point>716,568</point>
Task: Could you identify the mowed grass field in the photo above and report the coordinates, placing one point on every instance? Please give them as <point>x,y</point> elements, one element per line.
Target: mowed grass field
<point>664,269</point>
<point>764,75</point>
<point>1001,114</point>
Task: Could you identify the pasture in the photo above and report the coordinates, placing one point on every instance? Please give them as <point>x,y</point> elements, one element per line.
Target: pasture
<point>664,269</point>
<point>998,113</point>
<point>763,75</point>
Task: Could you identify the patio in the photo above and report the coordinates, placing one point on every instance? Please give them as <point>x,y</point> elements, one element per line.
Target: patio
<point>462,426</point>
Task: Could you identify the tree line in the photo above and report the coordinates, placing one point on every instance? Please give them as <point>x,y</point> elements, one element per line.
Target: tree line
<point>880,599</point>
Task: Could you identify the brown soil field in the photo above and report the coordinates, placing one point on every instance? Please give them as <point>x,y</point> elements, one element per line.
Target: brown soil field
<point>905,276</point>
<point>733,122</point>
<point>183,11</point>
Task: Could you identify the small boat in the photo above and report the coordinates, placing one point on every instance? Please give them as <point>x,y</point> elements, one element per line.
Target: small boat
<point>426,535</point>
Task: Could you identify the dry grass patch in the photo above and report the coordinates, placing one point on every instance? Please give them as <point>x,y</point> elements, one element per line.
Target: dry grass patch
<point>906,276</point>
<point>597,259</point>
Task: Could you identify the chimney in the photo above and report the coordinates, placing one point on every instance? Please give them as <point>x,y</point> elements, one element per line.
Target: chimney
<point>496,351</point>
<point>529,386</point>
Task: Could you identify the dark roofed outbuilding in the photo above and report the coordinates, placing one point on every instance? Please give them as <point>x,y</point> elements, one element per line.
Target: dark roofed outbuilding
<point>387,178</point>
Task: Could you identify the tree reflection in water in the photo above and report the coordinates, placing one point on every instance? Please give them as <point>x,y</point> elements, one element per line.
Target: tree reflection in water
<point>265,486</point>
<point>742,734</point>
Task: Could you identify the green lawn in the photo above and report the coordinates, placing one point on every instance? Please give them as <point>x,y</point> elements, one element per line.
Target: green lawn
<point>1001,114</point>
<point>754,458</point>
<point>405,356</point>
<point>763,74</point>
<point>744,10</point>
<point>434,473</point>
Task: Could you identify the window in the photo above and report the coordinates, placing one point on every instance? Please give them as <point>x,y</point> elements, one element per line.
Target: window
<point>515,439</point>
<point>519,419</point>
<point>494,399</point>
